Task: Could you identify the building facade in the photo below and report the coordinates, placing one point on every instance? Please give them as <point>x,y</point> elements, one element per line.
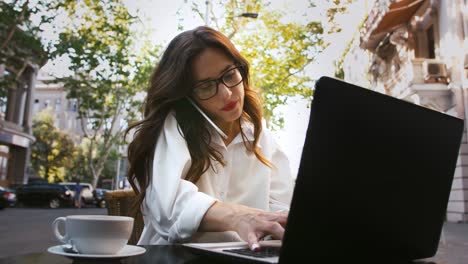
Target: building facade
<point>15,126</point>
<point>417,50</point>
<point>52,96</point>
<point>21,56</point>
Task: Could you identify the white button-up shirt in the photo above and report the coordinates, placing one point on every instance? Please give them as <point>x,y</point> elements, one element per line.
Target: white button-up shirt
<point>173,207</point>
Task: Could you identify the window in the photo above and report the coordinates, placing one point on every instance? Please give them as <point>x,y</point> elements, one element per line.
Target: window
<point>70,124</point>
<point>425,43</point>
<point>4,155</point>
<point>72,105</point>
<point>58,104</point>
<point>425,28</point>
<point>3,106</point>
<point>430,42</point>
<point>36,106</point>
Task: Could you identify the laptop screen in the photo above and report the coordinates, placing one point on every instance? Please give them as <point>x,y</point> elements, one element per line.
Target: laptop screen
<point>374,178</point>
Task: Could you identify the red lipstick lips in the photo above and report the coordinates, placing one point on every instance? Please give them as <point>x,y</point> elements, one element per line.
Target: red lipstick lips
<point>230,106</point>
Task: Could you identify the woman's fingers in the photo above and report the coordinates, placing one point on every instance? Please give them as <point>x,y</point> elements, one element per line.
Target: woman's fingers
<point>252,225</point>
<point>275,229</point>
<point>267,228</point>
<point>252,239</point>
<point>281,218</point>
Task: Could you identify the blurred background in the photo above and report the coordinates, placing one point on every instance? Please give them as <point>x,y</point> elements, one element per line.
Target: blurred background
<point>74,74</point>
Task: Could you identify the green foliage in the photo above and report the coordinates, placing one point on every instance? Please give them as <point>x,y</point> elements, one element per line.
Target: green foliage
<point>110,167</point>
<point>339,71</point>
<point>20,43</point>
<point>97,42</point>
<point>334,7</point>
<point>81,162</point>
<point>80,169</point>
<point>278,50</point>
<point>53,151</point>
<point>111,64</point>
<point>108,72</point>
<point>278,62</point>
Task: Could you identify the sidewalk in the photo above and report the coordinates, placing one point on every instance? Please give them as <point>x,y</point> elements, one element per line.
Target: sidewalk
<point>453,246</point>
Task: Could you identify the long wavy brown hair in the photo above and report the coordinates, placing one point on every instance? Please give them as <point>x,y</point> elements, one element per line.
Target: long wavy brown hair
<point>170,84</point>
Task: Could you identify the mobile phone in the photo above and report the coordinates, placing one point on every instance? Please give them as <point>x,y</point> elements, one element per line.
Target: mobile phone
<point>207,118</point>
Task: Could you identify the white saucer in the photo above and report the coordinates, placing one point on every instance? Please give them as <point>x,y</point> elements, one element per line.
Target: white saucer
<point>127,251</point>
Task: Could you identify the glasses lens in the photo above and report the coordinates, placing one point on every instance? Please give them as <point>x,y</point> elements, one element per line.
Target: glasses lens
<point>208,89</point>
<point>232,77</point>
<point>205,90</point>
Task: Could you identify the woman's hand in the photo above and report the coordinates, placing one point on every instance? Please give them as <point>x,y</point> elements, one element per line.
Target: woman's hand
<point>251,224</point>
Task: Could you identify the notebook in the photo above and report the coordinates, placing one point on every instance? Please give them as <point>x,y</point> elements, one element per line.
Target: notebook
<point>373,182</point>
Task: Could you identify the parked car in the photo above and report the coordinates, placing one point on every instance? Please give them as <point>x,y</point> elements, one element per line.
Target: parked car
<point>51,195</point>
<point>87,189</point>
<point>99,197</point>
<point>3,200</point>
<point>9,196</point>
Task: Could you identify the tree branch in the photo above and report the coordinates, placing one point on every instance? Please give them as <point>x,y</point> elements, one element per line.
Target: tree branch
<point>296,72</point>
<point>14,27</point>
<point>215,19</point>
<point>82,118</point>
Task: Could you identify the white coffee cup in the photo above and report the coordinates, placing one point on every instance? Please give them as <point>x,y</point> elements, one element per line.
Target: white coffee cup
<point>95,234</point>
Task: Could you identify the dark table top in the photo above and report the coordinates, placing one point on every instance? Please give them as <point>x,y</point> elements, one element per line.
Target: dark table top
<point>174,254</point>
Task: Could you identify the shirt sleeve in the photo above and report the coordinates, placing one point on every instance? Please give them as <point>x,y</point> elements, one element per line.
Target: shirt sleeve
<point>174,206</point>
<point>282,182</point>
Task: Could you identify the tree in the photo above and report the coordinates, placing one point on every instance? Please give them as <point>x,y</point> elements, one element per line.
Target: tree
<point>20,41</point>
<point>106,73</point>
<point>333,8</point>
<point>278,63</point>
<point>278,50</point>
<point>81,162</point>
<point>80,169</point>
<point>52,152</point>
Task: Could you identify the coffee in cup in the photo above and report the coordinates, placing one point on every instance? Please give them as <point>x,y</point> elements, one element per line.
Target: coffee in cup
<point>95,234</point>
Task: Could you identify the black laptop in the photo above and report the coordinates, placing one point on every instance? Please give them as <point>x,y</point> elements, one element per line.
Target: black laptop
<point>373,182</point>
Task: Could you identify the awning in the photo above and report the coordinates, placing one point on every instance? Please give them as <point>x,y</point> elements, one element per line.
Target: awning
<point>386,16</point>
<point>12,134</point>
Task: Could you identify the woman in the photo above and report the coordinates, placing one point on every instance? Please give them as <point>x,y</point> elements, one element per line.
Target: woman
<point>201,163</point>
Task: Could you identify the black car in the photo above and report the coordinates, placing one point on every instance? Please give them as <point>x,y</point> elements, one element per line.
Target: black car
<point>7,197</point>
<point>3,200</point>
<point>99,197</point>
<point>51,195</point>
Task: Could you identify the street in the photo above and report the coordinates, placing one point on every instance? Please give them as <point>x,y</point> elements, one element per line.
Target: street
<point>27,230</point>
<point>453,246</point>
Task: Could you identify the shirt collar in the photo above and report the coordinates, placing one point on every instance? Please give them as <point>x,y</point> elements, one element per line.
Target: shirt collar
<point>246,126</point>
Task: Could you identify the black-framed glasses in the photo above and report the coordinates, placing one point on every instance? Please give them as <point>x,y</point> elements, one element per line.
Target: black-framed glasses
<point>207,89</point>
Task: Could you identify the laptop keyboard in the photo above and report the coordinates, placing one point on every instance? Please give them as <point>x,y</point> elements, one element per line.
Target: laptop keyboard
<point>264,252</point>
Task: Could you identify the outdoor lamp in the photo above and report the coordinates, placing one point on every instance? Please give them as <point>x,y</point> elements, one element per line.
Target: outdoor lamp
<point>249,14</point>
